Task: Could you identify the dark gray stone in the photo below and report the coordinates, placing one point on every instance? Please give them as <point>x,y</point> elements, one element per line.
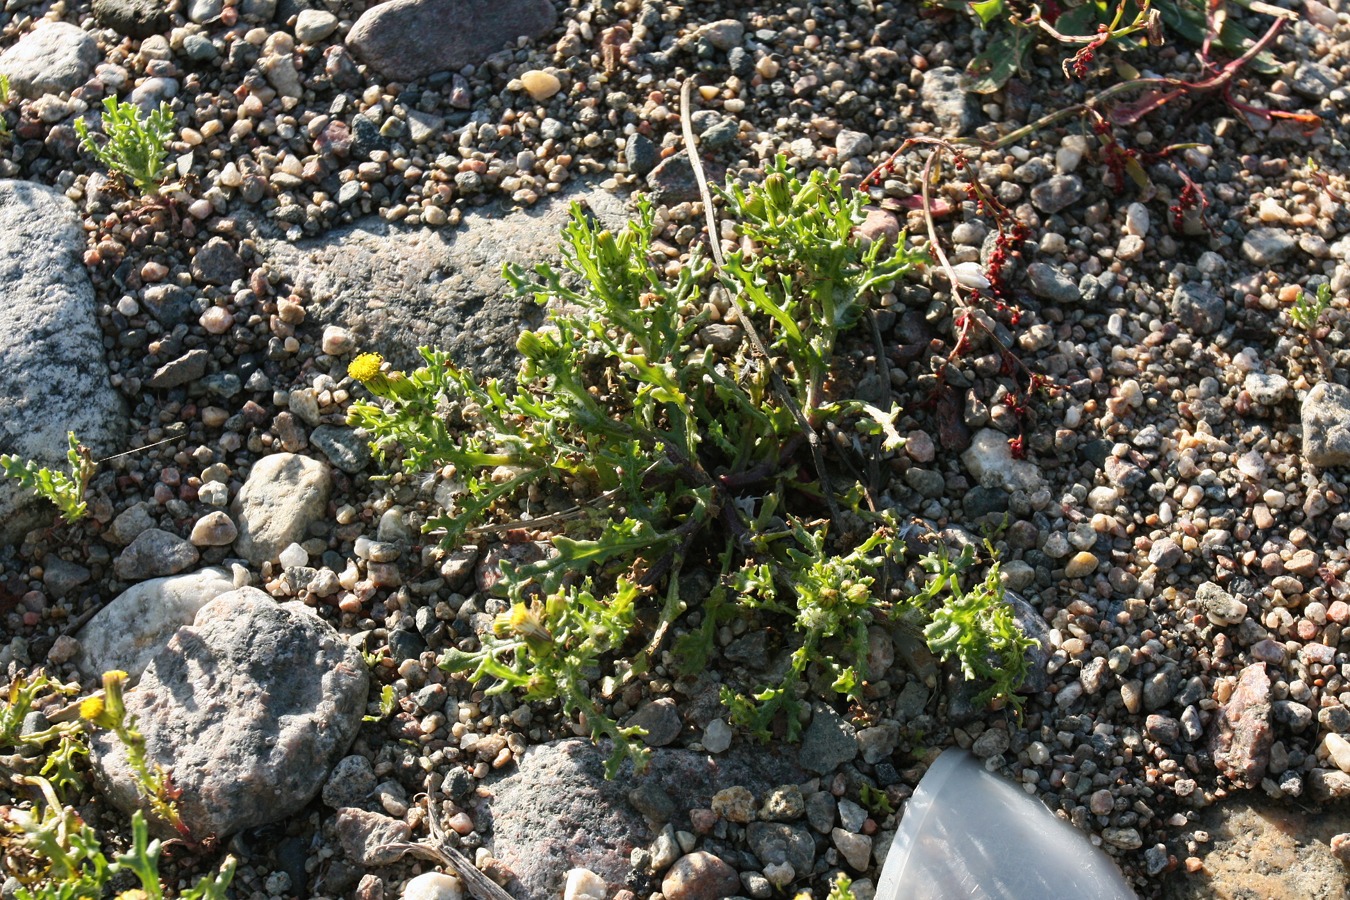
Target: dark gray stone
<point>184,370</point>
<point>53,375</point>
<point>660,719</point>
<point>1314,80</point>
<point>673,180</point>
<point>944,94</point>
<point>1049,283</point>
<point>641,154</point>
<point>153,554</point>
<point>249,708</point>
<point>351,783</point>
<point>828,741</point>
<point>217,263</point>
<point>344,448</point>
<point>399,288</point>
<point>132,18</point>
<point>1057,193</point>
<point>779,842</point>
<point>170,304</point>
<point>404,40</point>
<point>557,811</point>
<point>1034,626</point>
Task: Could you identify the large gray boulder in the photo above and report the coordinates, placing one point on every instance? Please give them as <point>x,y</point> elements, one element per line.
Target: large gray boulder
<point>399,288</point>
<point>557,812</point>
<point>406,40</point>
<point>53,374</point>
<point>128,632</point>
<point>248,708</point>
<point>53,58</point>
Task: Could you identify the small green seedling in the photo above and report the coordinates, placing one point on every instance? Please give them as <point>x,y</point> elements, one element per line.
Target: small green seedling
<point>137,145</point>
<point>4,101</point>
<point>975,625</point>
<point>842,888</point>
<point>1306,310</point>
<point>387,699</point>
<point>64,490</point>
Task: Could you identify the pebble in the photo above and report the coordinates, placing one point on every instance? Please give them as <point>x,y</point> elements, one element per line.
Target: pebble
<point>717,736</point>
<point>1057,193</point>
<point>436,886</point>
<point>700,876</point>
<point>540,85</point>
<point>313,25</point>
<point>1268,246</point>
<point>215,529</point>
<point>1081,565</point>
<point>583,884</point>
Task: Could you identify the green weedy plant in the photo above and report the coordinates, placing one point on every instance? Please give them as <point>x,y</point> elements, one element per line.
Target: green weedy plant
<point>1306,310</point>
<point>976,626</point>
<point>55,853</point>
<point>65,490</point>
<point>4,101</point>
<point>137,145</point>
<point>1091,25</point>
<point>680,459</point>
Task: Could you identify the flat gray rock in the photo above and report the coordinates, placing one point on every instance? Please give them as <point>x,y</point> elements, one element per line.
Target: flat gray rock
<point>132,18</point>
<point>944,94</point>
<point>53,58</point>
<point>400,288</point>
<point>249,708</point>
<point>406,40</point>
<point>128,632</point>
<point>53,374</point>
<point>557,812</point>
<point>1326,425</point>
<point>284,492</point>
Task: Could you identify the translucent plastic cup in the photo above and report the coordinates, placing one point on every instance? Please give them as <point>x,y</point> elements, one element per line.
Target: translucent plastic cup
<point>968,834</point>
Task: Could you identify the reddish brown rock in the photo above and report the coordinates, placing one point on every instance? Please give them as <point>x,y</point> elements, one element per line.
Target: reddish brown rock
<point>700,876</point>
<point>1241,737</point>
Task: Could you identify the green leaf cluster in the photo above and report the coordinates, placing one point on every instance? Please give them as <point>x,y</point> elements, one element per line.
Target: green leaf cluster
<point>137,145</point>
<point>1125,20</point>
<point>1306,310</point>
<point>652,448</point>
<point>976,626</point>
<point>66,491</point>
<point>65,860</point>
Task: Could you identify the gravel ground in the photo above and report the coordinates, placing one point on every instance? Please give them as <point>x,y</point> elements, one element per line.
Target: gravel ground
<point>1179,521</point>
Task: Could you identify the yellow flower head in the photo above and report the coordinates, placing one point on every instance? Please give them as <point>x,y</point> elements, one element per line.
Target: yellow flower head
<point>91,708</point>
<point>365,367</point>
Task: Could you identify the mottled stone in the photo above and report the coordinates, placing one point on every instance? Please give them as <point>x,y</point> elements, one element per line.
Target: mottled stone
<point>248,707</point>
<point>1240,735</point>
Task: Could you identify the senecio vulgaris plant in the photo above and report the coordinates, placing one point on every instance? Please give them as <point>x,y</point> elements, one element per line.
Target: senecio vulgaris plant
<point>52,851</point>
<point>136,145</point>
<point>65,490</point>
<point>682,455</point>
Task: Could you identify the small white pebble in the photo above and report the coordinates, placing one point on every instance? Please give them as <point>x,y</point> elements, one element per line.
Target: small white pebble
<point>294,555</point>
<point>434,886</point>
<point>217,320</point>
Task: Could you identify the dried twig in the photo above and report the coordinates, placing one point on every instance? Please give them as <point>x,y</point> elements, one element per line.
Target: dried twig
<point>438,850</point>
